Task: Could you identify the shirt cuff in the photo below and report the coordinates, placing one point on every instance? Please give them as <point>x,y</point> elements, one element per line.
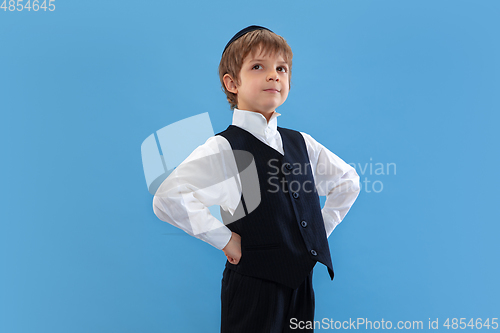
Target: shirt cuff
<point>218,237</point>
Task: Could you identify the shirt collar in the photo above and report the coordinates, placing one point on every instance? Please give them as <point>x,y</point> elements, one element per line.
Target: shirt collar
<point>254,122</point>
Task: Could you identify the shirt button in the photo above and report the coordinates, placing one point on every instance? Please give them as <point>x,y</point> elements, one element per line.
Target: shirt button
<point>288,166</point>
<point>303,224</point>
<point>314,253</point>
<point>295,195</point>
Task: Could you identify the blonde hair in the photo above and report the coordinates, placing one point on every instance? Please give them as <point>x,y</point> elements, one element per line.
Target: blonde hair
<point>232,59</point>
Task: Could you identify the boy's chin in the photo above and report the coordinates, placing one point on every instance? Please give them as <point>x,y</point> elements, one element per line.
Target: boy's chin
<point>266,111</point>
<point>270,108</point>
<point>258,110</point>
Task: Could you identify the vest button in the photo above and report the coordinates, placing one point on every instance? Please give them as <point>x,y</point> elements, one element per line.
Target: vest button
<point>288,166</point>
<point>303,224</point>
<point>314,253</point>
<point>295,195</point>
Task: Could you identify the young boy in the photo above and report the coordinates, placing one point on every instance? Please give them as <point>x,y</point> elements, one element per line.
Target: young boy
<point>274,233</point>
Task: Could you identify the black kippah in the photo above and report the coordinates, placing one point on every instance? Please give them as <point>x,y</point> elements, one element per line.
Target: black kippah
<point>242,32</point>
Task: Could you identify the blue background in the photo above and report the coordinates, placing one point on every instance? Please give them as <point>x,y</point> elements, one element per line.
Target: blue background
<point>415,83</point>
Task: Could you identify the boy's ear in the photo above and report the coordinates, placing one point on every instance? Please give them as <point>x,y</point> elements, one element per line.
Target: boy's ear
<point>230,84</point>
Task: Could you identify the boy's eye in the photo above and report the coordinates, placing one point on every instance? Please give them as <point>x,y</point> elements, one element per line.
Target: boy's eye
<point>256,67</point>
<point>282,69</point>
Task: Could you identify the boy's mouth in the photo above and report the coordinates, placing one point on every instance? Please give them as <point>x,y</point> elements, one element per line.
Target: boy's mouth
<point>272,90</point>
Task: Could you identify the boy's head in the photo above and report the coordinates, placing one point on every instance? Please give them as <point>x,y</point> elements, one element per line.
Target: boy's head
<point>255,70</point>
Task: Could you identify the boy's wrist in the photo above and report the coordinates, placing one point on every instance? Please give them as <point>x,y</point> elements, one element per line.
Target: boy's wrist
<point>225,246</point>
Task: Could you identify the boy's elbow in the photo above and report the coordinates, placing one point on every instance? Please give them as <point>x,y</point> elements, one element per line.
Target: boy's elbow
<point>157,204</point>
<point>355,181</point>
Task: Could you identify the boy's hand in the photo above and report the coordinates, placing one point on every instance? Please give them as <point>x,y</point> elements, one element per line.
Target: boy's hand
<point>233,249</point>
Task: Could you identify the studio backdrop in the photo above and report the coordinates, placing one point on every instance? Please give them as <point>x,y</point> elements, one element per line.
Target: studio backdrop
<point>407,92</point>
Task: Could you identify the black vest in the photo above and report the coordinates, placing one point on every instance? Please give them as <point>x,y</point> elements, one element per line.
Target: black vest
<point>284,237</point>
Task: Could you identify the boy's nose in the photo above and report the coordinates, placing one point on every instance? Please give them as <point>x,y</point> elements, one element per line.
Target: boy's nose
<point>273,75</point>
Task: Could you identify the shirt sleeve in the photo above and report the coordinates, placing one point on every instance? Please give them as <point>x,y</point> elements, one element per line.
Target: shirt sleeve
<point>207,177</point>
<point>335,179</point>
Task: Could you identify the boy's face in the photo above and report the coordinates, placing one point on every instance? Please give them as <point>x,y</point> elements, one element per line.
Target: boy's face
<point>264,83</point>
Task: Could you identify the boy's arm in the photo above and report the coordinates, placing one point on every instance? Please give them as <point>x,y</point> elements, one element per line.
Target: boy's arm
<point>334,178</point>
<point>233,249</point>
<point>204,179</point>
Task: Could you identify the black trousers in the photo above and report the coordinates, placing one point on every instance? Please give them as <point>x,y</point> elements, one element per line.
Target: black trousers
<point>252,305</point>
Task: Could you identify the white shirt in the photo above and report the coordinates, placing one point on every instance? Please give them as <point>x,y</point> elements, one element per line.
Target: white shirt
<point>209,177</point>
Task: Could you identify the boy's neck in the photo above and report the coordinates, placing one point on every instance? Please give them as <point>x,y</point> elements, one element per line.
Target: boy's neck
<point>266,115</point>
